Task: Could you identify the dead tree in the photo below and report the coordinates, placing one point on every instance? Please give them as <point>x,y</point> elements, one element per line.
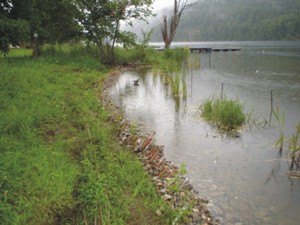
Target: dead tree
<point>168,34</point>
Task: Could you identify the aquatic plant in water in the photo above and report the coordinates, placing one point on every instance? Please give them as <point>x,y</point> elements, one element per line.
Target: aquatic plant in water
<point>294,148</point>
<point>225,113</point>
<point>280,121</point>
<point>293,151</point>
<point>168,65</point>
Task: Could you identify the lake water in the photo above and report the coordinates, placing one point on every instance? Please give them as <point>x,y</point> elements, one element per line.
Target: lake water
<point>242,177</point>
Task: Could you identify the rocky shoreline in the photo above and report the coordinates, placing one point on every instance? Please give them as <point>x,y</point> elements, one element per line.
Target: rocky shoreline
<point>169,180</point>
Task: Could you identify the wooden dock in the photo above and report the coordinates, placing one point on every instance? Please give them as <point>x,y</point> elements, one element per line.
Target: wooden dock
<point>203,49</point>
<point>214,49</point>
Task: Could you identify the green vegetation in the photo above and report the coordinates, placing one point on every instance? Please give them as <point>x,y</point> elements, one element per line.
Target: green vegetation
<point>35,22</point>
<point>60,162</point>
<point>237,20</point>
<point>293,150</point>
<point>167,65</point>
<point>226,114</point>
<point>280,121</point>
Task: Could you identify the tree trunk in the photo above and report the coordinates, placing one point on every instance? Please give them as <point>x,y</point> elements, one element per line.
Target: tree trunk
<point>179,7</point>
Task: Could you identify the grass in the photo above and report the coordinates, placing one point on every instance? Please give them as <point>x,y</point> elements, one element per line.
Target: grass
<point>167,65</point>
<point>294,148</point>
<point>280,120</point>
<point>60,163</point>
<point>226,114</point>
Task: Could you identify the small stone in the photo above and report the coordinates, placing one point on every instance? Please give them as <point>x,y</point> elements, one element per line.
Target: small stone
<point>155,178</point>
<point>182,194</point>
<point>238,223</point>
<point>159,184</point>
<point>163,191</point>
<point>136,149</point>
<point>167,197</point>
<point>195,210</point>
<point>158,212</point>
<point>148,167</point>
<point>196,217</point>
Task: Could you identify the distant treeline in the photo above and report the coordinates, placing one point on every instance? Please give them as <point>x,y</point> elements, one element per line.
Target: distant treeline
<point>229,20</point>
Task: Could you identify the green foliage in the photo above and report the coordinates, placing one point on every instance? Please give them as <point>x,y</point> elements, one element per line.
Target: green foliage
<point>234,20</point>
<point>59,163</point>
<point>102,21</point>
<point>225,113</point>
<point>293,150</point>
<point>169,60</point>
<point>52,20</point>
<point>11,32</point>
<point>168,65</point>
<point>294,147</point>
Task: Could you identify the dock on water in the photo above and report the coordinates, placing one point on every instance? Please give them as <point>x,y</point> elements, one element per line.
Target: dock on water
<point>214,49</point>
<point>205,49</point>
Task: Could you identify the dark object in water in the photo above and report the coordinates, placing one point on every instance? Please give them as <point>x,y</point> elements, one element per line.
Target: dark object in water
<point>136,82</point>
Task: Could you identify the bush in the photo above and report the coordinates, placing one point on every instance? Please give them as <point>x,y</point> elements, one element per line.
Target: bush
<point>226,114</point>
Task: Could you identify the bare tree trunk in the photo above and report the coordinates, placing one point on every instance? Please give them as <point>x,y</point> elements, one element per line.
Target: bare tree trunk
<point>179,7</point>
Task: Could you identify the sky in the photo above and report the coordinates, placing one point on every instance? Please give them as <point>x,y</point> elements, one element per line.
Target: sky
<point>160,4</point>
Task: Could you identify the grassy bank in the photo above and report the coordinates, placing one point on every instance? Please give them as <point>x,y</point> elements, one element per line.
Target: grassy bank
<point>60,162</point>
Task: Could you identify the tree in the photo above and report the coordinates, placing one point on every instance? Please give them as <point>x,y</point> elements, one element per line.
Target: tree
<point>168,34</point>
<point>101,22</point>
<point>11,30</point>
<point>52,20</point>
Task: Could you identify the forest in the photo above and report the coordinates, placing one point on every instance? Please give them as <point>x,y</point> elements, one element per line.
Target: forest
<point>238,20</point>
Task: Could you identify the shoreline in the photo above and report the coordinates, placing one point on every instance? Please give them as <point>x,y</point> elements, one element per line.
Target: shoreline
<point>168,179</point>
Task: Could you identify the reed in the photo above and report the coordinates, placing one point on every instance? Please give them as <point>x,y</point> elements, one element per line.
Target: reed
<point>280,120</point>
<point>226,114</point>
<point>168,66</point>
<point>294,148</point>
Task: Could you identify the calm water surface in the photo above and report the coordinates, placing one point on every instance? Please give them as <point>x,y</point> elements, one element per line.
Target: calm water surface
<point>241,177</point>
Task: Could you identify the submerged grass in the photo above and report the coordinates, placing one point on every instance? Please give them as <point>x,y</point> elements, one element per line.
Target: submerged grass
<point>59,162</point>
<point>293,149</point>
<point>168,66</point>
<point>280,120</point>
<point>226,114</point>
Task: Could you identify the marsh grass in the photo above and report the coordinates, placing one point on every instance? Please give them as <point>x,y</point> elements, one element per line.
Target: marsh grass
<point>225,113</point>
<point>168,66</point>
<point>59,163</point>
<point>280,120</point>
<point>294,148</point>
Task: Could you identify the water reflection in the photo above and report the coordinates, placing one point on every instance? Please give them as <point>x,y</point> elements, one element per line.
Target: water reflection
<point>238,175</point>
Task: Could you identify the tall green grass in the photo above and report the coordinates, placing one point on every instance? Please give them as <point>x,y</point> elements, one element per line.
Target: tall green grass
<point>225,113</point>
<point>59,163</point>
<point>294,148</point>
<point>167,65</point>
<point>280,120</point>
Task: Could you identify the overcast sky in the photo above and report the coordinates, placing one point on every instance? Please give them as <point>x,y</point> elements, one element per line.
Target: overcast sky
<point>160,4</point>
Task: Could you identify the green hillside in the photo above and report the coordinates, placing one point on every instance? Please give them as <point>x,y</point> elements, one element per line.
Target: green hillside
<point>228,20</point>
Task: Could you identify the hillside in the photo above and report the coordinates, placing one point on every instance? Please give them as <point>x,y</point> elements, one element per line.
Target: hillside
<point>227,20</point>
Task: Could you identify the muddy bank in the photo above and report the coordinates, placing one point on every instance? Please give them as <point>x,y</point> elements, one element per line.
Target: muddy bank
<point>170,181</point>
